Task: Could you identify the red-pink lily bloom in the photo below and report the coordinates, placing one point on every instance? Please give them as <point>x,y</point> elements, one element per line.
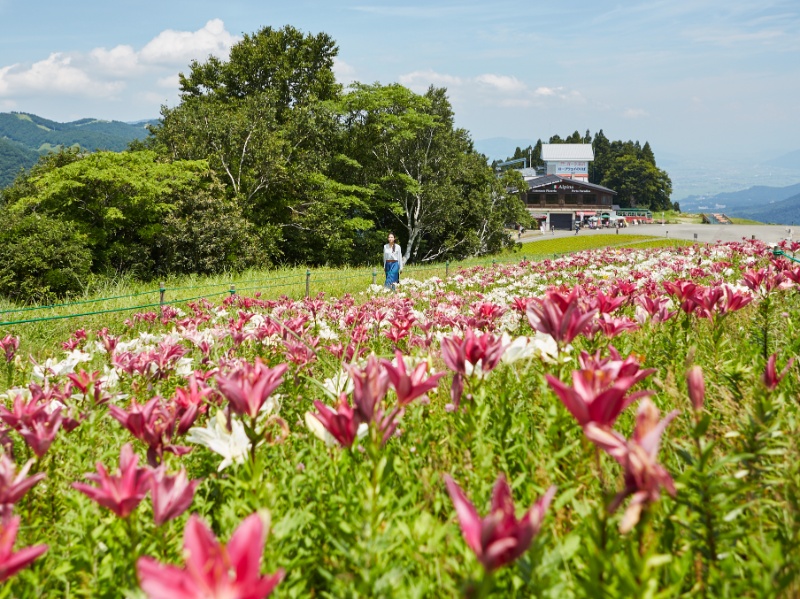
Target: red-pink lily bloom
<point>122,492</point>
<point>10,562</point>
<point>560,316</point>
<point>14,485</point>
<point>248,387</point>
<point>771,377</point>
<point>599,391</point>
<point>697,387</point>
<point>342,423</point>
<point>644,476</point>
<point>154,424</point>
<point>171,495</point>
<point>409,386</point>
<point>498,538</point>
<point>9,346</point>
<point>470,355</point>
<point>370,386</point>
<point>213,570</point>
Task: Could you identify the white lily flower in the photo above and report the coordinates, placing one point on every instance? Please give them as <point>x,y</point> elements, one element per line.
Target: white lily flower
<point>233,446</point>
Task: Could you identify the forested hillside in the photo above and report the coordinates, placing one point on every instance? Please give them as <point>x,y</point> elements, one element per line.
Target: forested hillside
<point>13,157</point>
<point>24,137</point>
<point>266,160</point>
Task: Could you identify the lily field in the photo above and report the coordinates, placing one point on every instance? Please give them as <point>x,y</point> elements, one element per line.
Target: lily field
<point>618,422</point>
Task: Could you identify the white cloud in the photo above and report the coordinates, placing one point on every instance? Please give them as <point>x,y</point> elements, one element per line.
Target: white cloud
<point>419,81</point>
<point>502,83</point>
<point>104,73</point>
<point>53,76</point>
<point>345,73</point>
<point>119,61</point>
<point>635,113</point>
<point>169,82</point>
<point>180,47</point>
<point>490,89</point>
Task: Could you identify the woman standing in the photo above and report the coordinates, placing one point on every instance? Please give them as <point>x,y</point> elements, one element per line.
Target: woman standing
<point>392,262</point>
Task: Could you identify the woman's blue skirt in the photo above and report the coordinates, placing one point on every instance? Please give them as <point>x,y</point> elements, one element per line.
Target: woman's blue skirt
<point>392,273</point>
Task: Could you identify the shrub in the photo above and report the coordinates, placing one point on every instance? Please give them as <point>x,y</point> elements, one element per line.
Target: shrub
<point>41,258</point>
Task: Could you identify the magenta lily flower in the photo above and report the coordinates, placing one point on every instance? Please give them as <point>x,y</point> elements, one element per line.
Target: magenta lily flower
<point>154,424</point>
<point>342,423</point>
<point>213,570</point>
<point>470,355</point>
<point>250,386</point>
<point>370,386</point>
<point>599,391</point>
<point>409,386</point>
<point>560,316</point>
<point>10,562</point>
<point>14,485</point>
<point>644,476</point>
<point>697,387</point>
<point>171,495</point>
<point>9,346</point>
<point>499,538</point>
<point>771,377</point>
<point>121,493</point>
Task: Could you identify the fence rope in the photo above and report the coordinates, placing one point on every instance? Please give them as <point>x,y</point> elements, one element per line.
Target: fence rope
<point>299,281</point>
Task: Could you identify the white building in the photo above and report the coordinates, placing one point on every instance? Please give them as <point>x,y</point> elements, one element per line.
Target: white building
<point>568,161</point>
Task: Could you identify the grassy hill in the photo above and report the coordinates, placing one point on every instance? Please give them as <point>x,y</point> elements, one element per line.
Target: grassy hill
<point>24,137</point>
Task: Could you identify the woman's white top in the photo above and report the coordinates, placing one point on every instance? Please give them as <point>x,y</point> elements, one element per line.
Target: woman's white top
<point>395,253</point>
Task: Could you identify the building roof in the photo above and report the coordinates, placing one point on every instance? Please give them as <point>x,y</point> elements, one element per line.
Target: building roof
<point>565,152</point>
<point>545,180</point>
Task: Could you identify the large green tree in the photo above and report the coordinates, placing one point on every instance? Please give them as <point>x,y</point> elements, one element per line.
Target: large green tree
<point>426,178</point>
<point>265,120</point>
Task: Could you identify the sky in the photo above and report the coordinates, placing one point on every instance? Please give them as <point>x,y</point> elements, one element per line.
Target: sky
<point>697,79</point>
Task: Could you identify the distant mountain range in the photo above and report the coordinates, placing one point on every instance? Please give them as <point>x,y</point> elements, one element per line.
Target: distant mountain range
<point>25,137</point>
<point>772,205</point>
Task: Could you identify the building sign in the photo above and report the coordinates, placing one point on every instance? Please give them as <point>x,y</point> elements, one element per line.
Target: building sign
<point>566,169</point>
<point>562,188</point>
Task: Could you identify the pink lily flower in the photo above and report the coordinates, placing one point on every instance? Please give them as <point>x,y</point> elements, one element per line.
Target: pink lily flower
<point>212,570</point>
<point>9,345</point>
<point>10,562</point>
<point>470,355</point>
<point>644,476</point>
<point>697,387</point>
<point>171,495</point>
<point>14,485</point>
<point>370,386</point>
<point>248,387</point>
<point>599,391</point>
<point>190,402</point>
<point>154,424</point>
<point>342,423</point>
<point>771,377</point>
<point>560,316</point>
<point>499,538</point>
<point>121,493</point>
<point>409,386</point>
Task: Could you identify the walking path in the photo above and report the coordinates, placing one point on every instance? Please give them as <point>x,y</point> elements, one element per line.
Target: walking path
<point>700,233</point>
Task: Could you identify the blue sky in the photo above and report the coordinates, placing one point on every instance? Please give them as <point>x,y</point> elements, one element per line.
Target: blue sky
<point>698,78</point>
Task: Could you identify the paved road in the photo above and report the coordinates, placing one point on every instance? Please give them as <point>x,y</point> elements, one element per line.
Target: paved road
<point>703,233</point>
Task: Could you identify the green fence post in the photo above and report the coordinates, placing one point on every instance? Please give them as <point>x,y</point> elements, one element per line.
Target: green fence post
<point>446,268</point>
<point>308,283</point>
<point>524,258</point>
<point>232,290</point>
<point>374,276</point>
<point>162,287</point>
